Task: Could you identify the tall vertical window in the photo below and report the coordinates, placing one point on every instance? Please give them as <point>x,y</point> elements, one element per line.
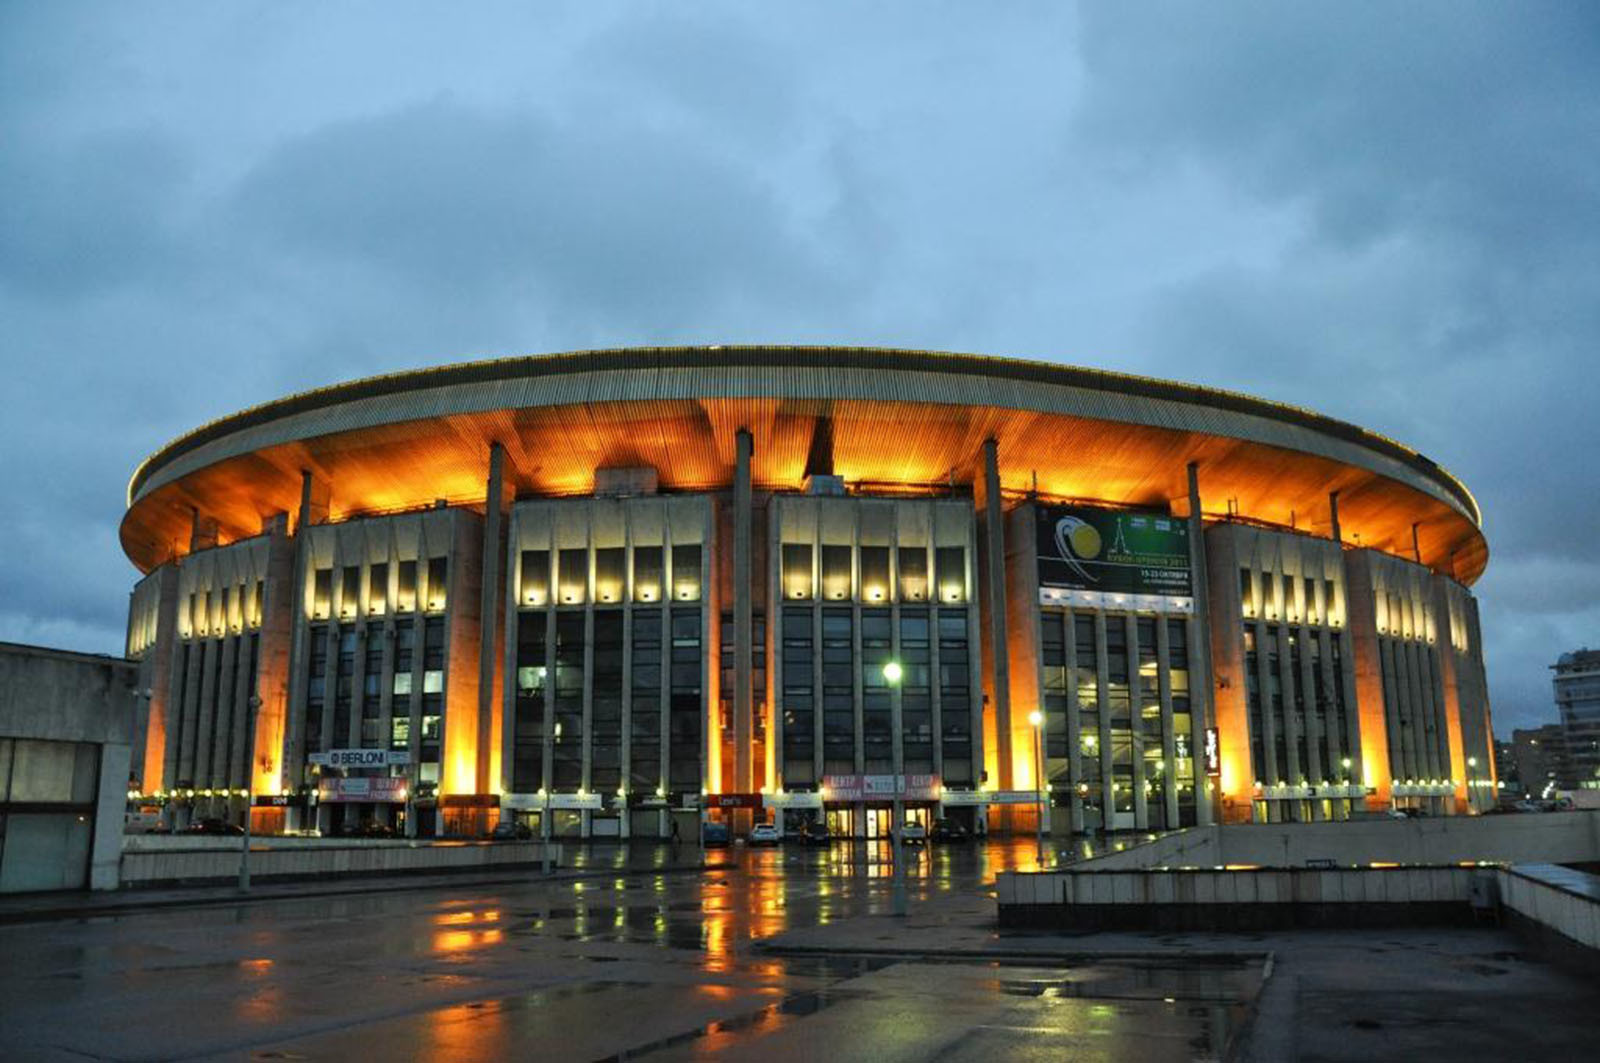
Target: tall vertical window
<point>432,721</point>
<point>916,691</point>
<point>644,717</point>
<point>687,702</point>
<point>798,698</point>
<point>527,736</point>
<point>877,708</point>
<point>838,693</point>
<point>1086,682</point>
<point>567,760</point>
<point>955,698</point>
<point>605,716</point>
<point>1182,719</point>
<point>1053,660</point>
<point>316,686</point>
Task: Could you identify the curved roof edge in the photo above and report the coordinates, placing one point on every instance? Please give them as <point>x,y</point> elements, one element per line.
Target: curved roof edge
<point>733,355</point>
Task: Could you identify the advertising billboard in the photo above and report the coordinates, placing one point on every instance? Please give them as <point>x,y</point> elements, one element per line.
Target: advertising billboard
<point>1117,551</point>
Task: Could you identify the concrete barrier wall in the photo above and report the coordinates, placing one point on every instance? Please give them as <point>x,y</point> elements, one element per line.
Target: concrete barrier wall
<point>1190,847</point>
<point>220,863</point>
<point>142,843</point>
<point>1559,899</point>
<point>1236,900</point>
<point>1557,837</point>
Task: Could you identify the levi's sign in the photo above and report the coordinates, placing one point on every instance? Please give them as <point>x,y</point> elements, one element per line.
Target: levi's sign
<point>361,758</point>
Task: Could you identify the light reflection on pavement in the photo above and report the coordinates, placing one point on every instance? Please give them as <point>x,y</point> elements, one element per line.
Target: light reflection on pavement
<point>639,960</point>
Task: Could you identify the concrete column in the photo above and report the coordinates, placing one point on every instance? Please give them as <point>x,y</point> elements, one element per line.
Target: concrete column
<point>1200,701</point>
<point>1333,517</point>
<point>743,622</point>
<point>491,607</point>
<point>315,496</point>
<point>999,663</point>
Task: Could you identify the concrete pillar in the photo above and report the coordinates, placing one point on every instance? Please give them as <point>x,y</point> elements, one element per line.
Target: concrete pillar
<point>999,663</point>
<point>316,495</point>
<point>1333,517</point>
<point>1208,808</point>
<point>743,621</point>
<point>491,605</point>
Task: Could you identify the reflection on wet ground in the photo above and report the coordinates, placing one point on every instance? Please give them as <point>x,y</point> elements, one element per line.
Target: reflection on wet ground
<point>647,959</point>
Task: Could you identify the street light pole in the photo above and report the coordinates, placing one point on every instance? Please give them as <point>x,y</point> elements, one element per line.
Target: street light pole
<point>899,903</point>
<point>249,790</point>
<point>1037,719</point>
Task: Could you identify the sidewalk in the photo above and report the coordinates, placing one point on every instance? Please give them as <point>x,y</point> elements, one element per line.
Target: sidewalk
<point>87,904</point>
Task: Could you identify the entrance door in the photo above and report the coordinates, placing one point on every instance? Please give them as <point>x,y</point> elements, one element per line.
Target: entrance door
<point>879,822</point>
<point>841,822</point>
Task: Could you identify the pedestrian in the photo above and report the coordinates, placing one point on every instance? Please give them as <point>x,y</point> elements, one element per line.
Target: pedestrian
<point>675,835</point>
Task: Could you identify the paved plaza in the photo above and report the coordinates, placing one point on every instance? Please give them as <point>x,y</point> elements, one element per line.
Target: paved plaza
<point>777,954</point>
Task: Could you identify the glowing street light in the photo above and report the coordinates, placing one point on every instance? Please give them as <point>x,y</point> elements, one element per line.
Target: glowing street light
<point>1036,718</point>
<point>892,673</point>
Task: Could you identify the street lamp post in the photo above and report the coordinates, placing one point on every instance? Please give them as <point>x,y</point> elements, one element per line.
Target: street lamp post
<point>1037,719</point>
<point>1472,796</point>
<point>892,673</point>
<point>249,790</point>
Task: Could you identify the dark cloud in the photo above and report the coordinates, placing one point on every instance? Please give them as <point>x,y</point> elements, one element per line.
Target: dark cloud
<point>1383,212</point>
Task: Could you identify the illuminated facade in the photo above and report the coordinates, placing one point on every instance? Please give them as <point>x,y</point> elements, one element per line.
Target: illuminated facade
<point>597,592</point>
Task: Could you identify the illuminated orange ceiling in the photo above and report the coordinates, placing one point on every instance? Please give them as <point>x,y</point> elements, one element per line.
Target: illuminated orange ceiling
<point>893,431</point>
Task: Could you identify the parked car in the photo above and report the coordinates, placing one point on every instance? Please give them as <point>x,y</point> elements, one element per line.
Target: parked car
<point>949,830</point>
<point>815,833</point>
<point>373,829</point>
<point>714,835</point>
<point>219,827</point>
<point>509,830</point>
<point>763,834</point>
<point>913,833</point>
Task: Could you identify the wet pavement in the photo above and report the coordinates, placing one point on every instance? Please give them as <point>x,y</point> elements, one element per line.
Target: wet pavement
<point>641,959</point>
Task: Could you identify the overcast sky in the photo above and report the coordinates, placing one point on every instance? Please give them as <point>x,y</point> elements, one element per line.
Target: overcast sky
<point>1387,212</point>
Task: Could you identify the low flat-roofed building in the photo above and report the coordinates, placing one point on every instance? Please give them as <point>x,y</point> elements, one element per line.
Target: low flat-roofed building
<point>66,729</point>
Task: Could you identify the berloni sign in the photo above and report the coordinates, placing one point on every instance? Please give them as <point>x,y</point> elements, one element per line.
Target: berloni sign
<point>1117,551</point>
<point>361,758</point>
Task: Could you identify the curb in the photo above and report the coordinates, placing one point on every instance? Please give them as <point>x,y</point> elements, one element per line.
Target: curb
<point>45,915</point>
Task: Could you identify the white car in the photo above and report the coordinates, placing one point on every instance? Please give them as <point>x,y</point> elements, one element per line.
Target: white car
<point>763,834</point>
<point>913,834</point>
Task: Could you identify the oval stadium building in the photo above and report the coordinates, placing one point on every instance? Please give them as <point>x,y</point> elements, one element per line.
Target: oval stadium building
<point>609,593</point>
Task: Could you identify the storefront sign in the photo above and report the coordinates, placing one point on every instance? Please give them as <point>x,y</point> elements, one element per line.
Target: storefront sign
<point>795,800</point>
<point>335,791</point>
<point>275,800</point>
<point>733,800</point>
<point>578,802</point>
<point>1011,797</point>
<point>534,802</point>
<point>361,758</point>
<point>1117,551</point>
<point>963,798</point>
<point>1213,753</point>
<point>881,787</point>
